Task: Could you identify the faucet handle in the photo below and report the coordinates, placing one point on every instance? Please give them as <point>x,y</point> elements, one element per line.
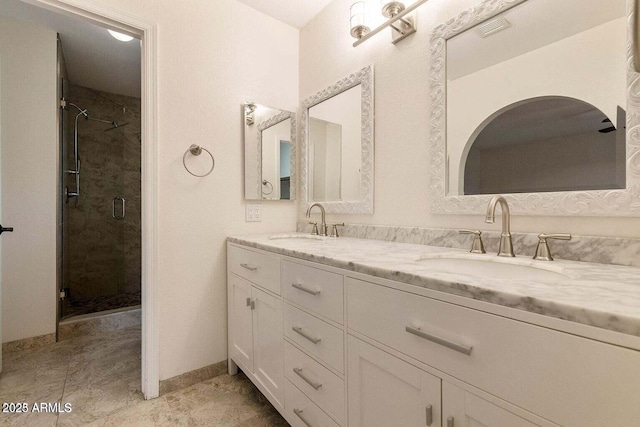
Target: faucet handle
<point>476,247</point>
<point>334,229</point>
<point>543,252</point>
<point>314,229</point>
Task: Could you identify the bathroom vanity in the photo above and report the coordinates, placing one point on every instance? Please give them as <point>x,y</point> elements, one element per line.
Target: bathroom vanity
<point>355,332</point>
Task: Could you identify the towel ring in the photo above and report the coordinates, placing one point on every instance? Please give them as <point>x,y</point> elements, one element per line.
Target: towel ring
<point>265,182</point>
<point>196,150</point>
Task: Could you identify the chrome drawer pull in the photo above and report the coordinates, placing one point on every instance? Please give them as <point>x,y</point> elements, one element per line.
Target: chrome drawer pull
<point>307,290</point>
<point>429,415</point>
<point>249,267</point>
<point>298,330</point>
<point>452,345</point>
<point>298,372</point>
<point>298,412</point>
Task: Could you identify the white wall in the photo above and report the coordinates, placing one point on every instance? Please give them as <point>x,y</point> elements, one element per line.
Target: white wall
<point>29,179</point>
<point>209,63</point>
<point>402,110</point>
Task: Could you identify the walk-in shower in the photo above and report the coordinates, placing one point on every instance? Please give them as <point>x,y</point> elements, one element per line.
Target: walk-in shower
<point>100,201</point>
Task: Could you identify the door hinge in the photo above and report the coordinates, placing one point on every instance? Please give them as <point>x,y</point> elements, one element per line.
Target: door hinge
<point>63,103</point>
<point>63,293</point>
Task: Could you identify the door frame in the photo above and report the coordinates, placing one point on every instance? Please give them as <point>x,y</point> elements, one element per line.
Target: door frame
<point>122,21</point>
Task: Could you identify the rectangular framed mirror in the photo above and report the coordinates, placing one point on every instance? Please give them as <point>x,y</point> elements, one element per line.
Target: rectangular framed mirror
<point>337,146</point>
<point>269,153</point>
<point>535,99</point>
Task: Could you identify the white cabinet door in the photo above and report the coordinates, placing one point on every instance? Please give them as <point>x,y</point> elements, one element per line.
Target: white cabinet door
<point>463,409</point>
<point>268,343</point>
<point>240,322</point>
<point>386,391</point>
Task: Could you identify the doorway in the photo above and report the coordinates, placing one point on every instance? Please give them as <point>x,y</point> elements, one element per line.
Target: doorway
<point>106,17</point>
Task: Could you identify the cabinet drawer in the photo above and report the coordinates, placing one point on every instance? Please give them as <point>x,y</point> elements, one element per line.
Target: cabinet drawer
<point>257,267</point>
<point>302,412</point>
<point>560,376</point>
<point>321,385</point>
<point>318,290</point>
<point>318,338</point>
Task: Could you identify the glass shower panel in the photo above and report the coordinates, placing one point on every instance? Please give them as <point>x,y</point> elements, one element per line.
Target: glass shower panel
<point>102,225</point>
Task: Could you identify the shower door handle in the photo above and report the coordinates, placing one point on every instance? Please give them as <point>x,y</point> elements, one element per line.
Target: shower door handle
<point>124,212</point>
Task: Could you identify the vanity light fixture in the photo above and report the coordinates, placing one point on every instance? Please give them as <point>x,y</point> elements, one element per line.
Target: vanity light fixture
<point>119,36</point>
<point>396,13</point>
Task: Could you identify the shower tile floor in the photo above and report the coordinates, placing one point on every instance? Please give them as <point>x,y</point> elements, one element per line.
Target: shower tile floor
<point>99,376</point>
<point>101,303</point>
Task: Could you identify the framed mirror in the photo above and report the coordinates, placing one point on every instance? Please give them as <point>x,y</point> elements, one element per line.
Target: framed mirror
<point>535,99</point>
<point>269,153</point>
<point>337,146</point>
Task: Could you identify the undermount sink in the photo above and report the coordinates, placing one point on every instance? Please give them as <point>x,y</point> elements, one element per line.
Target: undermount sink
<point>493,267</point>
<point>297,237</point>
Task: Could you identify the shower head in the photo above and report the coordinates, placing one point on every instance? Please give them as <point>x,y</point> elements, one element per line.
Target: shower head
<point>115,125</point>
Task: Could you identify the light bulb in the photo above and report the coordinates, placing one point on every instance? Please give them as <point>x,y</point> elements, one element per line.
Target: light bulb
<point>119,36</point>
<point>358,19</point>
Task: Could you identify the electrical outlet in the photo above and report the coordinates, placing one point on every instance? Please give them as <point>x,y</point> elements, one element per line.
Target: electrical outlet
<point>253,213</point>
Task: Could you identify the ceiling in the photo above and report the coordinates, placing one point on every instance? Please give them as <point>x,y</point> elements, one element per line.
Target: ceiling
<point>94,59</point>
<point>296,13</point>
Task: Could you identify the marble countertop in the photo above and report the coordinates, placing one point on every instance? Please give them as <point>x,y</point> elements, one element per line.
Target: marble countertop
<point>600,295</point>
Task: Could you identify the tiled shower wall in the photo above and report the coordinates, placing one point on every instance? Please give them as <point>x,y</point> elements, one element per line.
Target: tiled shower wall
<point>102,255</point>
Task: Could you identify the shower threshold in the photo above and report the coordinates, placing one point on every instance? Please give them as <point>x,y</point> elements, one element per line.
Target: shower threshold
<point>99,305</point>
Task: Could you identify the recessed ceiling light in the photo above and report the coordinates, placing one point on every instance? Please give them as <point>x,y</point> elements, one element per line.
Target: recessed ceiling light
<point>120,36</point>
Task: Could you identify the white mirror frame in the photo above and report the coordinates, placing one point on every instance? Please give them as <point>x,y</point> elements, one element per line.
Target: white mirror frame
<point>364,77</point>
<point>621,202</point>
<point>284,115</point>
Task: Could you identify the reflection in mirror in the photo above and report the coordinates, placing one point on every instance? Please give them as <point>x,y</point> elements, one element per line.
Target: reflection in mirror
<point>546,144</point>
<point>536,98</point>
<point>334,147</point>
<point>337,145</point>
<point>269,141</point>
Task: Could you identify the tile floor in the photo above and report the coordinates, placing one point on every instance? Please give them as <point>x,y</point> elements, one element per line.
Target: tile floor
<point>99,376</point>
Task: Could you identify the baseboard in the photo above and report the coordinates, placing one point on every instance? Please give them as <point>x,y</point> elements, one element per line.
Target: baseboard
<point>29,343</point>
<point>193,377</point>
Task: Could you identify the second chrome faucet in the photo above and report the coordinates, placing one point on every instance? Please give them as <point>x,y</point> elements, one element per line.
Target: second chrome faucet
<point>323,224</point>
<point>506,244</point>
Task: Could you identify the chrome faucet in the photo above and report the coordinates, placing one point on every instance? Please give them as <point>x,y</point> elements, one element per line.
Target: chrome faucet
<point>323,224</point>
<point>506,245</point>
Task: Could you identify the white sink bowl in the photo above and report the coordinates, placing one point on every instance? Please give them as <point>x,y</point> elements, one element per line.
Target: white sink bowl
<point>298,237</point>
<point>493,267</point>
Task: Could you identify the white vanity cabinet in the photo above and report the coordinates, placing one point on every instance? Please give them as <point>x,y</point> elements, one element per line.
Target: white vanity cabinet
<point>386,391</point>
<point>464,409</point>
<point>330,347</point>
<point>255,320</point>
